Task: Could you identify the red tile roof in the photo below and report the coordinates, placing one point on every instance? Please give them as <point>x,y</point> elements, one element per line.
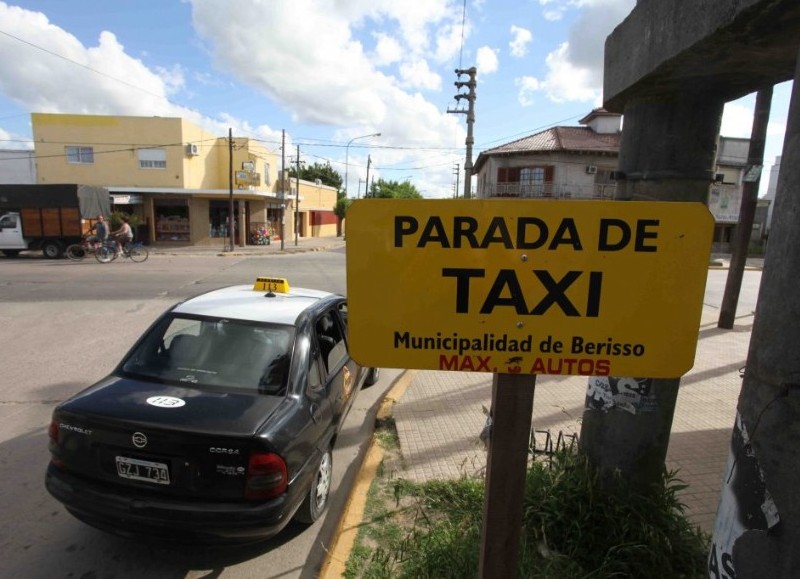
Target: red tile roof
<point>557,139</point>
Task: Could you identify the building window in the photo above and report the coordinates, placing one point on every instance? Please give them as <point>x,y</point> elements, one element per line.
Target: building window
<point>152,158</point>
<point>525,181</point>
<point>80,155</point>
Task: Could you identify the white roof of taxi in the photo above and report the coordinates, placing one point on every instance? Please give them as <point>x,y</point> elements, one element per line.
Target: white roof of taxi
<point>244,303</point>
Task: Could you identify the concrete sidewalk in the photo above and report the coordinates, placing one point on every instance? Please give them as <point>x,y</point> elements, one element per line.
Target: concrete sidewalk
<point>440,416</point>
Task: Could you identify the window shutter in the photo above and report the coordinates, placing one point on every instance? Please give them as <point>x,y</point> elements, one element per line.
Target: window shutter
<point>513,175</point>
<point>502,175</point>
<point>549,170</point>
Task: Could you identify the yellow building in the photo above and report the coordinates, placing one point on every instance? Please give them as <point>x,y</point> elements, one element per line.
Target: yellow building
<point>179,179</point>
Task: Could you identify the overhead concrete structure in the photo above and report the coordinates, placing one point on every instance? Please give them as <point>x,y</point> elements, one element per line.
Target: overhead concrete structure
<point>730,48</point>
<point>670,67</point>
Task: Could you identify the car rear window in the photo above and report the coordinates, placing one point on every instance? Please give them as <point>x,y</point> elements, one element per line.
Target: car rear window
<point>218,353</point>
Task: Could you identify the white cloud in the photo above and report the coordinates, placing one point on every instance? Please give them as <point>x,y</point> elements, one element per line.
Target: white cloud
<point>564,82</point>
<point>418,75</point>
<point>387,50</point>
<point>528,87</point>
<point>575,68</point>
<point>520,38</point>
<point>486,60</point>
<point>737,120</point>
<point>64,76</point>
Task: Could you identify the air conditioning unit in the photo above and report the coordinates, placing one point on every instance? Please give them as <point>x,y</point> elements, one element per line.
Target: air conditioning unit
<point>192,150</point>
<point>591,169</point>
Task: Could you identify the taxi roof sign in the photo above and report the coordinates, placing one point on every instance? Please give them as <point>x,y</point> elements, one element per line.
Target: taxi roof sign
<point>271,284</point>
<point>577,287</point>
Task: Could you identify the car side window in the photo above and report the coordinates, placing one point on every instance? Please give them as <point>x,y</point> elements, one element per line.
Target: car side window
<point>331,341</point>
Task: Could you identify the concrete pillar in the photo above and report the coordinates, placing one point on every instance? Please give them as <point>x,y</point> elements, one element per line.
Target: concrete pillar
<point>758,520</point>
<point>667,153</point>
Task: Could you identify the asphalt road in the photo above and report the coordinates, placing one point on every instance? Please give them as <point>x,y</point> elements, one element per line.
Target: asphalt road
<point>65,325</point>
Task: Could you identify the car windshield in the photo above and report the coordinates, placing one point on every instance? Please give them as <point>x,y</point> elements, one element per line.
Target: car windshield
<point>218,353</point>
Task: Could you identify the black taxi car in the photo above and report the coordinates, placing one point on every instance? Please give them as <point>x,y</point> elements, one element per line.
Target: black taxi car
<point>218,423</point>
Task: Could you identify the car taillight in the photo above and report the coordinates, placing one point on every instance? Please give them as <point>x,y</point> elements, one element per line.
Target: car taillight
<point>266,476</point>
<point>52,432</point>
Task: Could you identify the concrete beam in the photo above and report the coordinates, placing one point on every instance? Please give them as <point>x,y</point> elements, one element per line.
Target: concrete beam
<point>729,48</point>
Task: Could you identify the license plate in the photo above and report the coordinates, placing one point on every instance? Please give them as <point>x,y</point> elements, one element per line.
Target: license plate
<point>143,470</point>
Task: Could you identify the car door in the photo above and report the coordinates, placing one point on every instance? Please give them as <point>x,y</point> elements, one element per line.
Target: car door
<point>339,369</point>
<point>356,370</point>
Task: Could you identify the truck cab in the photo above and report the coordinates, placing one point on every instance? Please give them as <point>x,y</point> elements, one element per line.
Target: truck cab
<point>11,240</point>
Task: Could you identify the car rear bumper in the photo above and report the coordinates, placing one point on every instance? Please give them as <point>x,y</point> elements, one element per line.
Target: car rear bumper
<point>135,513</point>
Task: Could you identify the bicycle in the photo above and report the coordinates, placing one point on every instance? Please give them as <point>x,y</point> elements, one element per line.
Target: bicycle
<point>78,251</point>
<point>133,250</point>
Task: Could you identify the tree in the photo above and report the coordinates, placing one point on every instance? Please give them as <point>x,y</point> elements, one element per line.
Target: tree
<point>340,209</point>
<point>324,173</point>
<point>393,190</point>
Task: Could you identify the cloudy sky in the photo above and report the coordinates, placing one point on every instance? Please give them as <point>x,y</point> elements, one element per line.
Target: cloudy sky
<point>325,71</point>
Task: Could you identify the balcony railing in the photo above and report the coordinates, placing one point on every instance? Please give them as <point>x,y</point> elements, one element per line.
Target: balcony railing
<point>548,191</point>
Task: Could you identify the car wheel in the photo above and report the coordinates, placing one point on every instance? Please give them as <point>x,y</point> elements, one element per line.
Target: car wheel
<point>52,249</point>
<point>372,376</point>
<point>317,498</point>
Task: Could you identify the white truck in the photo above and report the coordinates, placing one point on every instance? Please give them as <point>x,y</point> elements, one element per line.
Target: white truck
<point>48,217</point>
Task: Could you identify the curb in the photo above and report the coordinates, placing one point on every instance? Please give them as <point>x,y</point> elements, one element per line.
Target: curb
<point>200,252</point>
<point>344,537</point>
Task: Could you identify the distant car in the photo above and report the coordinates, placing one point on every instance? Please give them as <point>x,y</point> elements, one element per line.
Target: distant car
<point>218,424</point>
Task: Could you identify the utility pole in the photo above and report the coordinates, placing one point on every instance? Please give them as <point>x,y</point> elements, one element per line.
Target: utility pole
<point>283,185</point>
<point>369,162</point>
<point>297,199</point>
<point>457,173</point>
<point>358,192</point>
<point>470,112</point>
<point>755,160</point>
<point>230,187</point>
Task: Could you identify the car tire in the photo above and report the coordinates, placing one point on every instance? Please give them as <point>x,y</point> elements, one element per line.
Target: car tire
<point>52,249</point>
<point>316,500</point>
<point>373,374</point>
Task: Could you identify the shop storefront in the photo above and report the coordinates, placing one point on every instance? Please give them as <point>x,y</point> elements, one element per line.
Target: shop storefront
<point>171,220</point>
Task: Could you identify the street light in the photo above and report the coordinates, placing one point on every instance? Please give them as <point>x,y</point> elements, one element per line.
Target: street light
<point>347,156</point>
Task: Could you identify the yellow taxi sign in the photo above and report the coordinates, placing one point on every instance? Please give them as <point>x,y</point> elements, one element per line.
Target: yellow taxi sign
<point>271,284</point>
<point>531,286</point>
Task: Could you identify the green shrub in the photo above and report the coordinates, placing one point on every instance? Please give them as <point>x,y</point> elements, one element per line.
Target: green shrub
<point>575,525</point>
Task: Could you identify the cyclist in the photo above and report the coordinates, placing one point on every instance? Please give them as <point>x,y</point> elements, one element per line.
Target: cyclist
<point>123,235</point>
<point>101,231</point>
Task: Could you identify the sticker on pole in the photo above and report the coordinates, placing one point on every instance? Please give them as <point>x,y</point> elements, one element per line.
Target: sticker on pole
<point>593,288</point>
